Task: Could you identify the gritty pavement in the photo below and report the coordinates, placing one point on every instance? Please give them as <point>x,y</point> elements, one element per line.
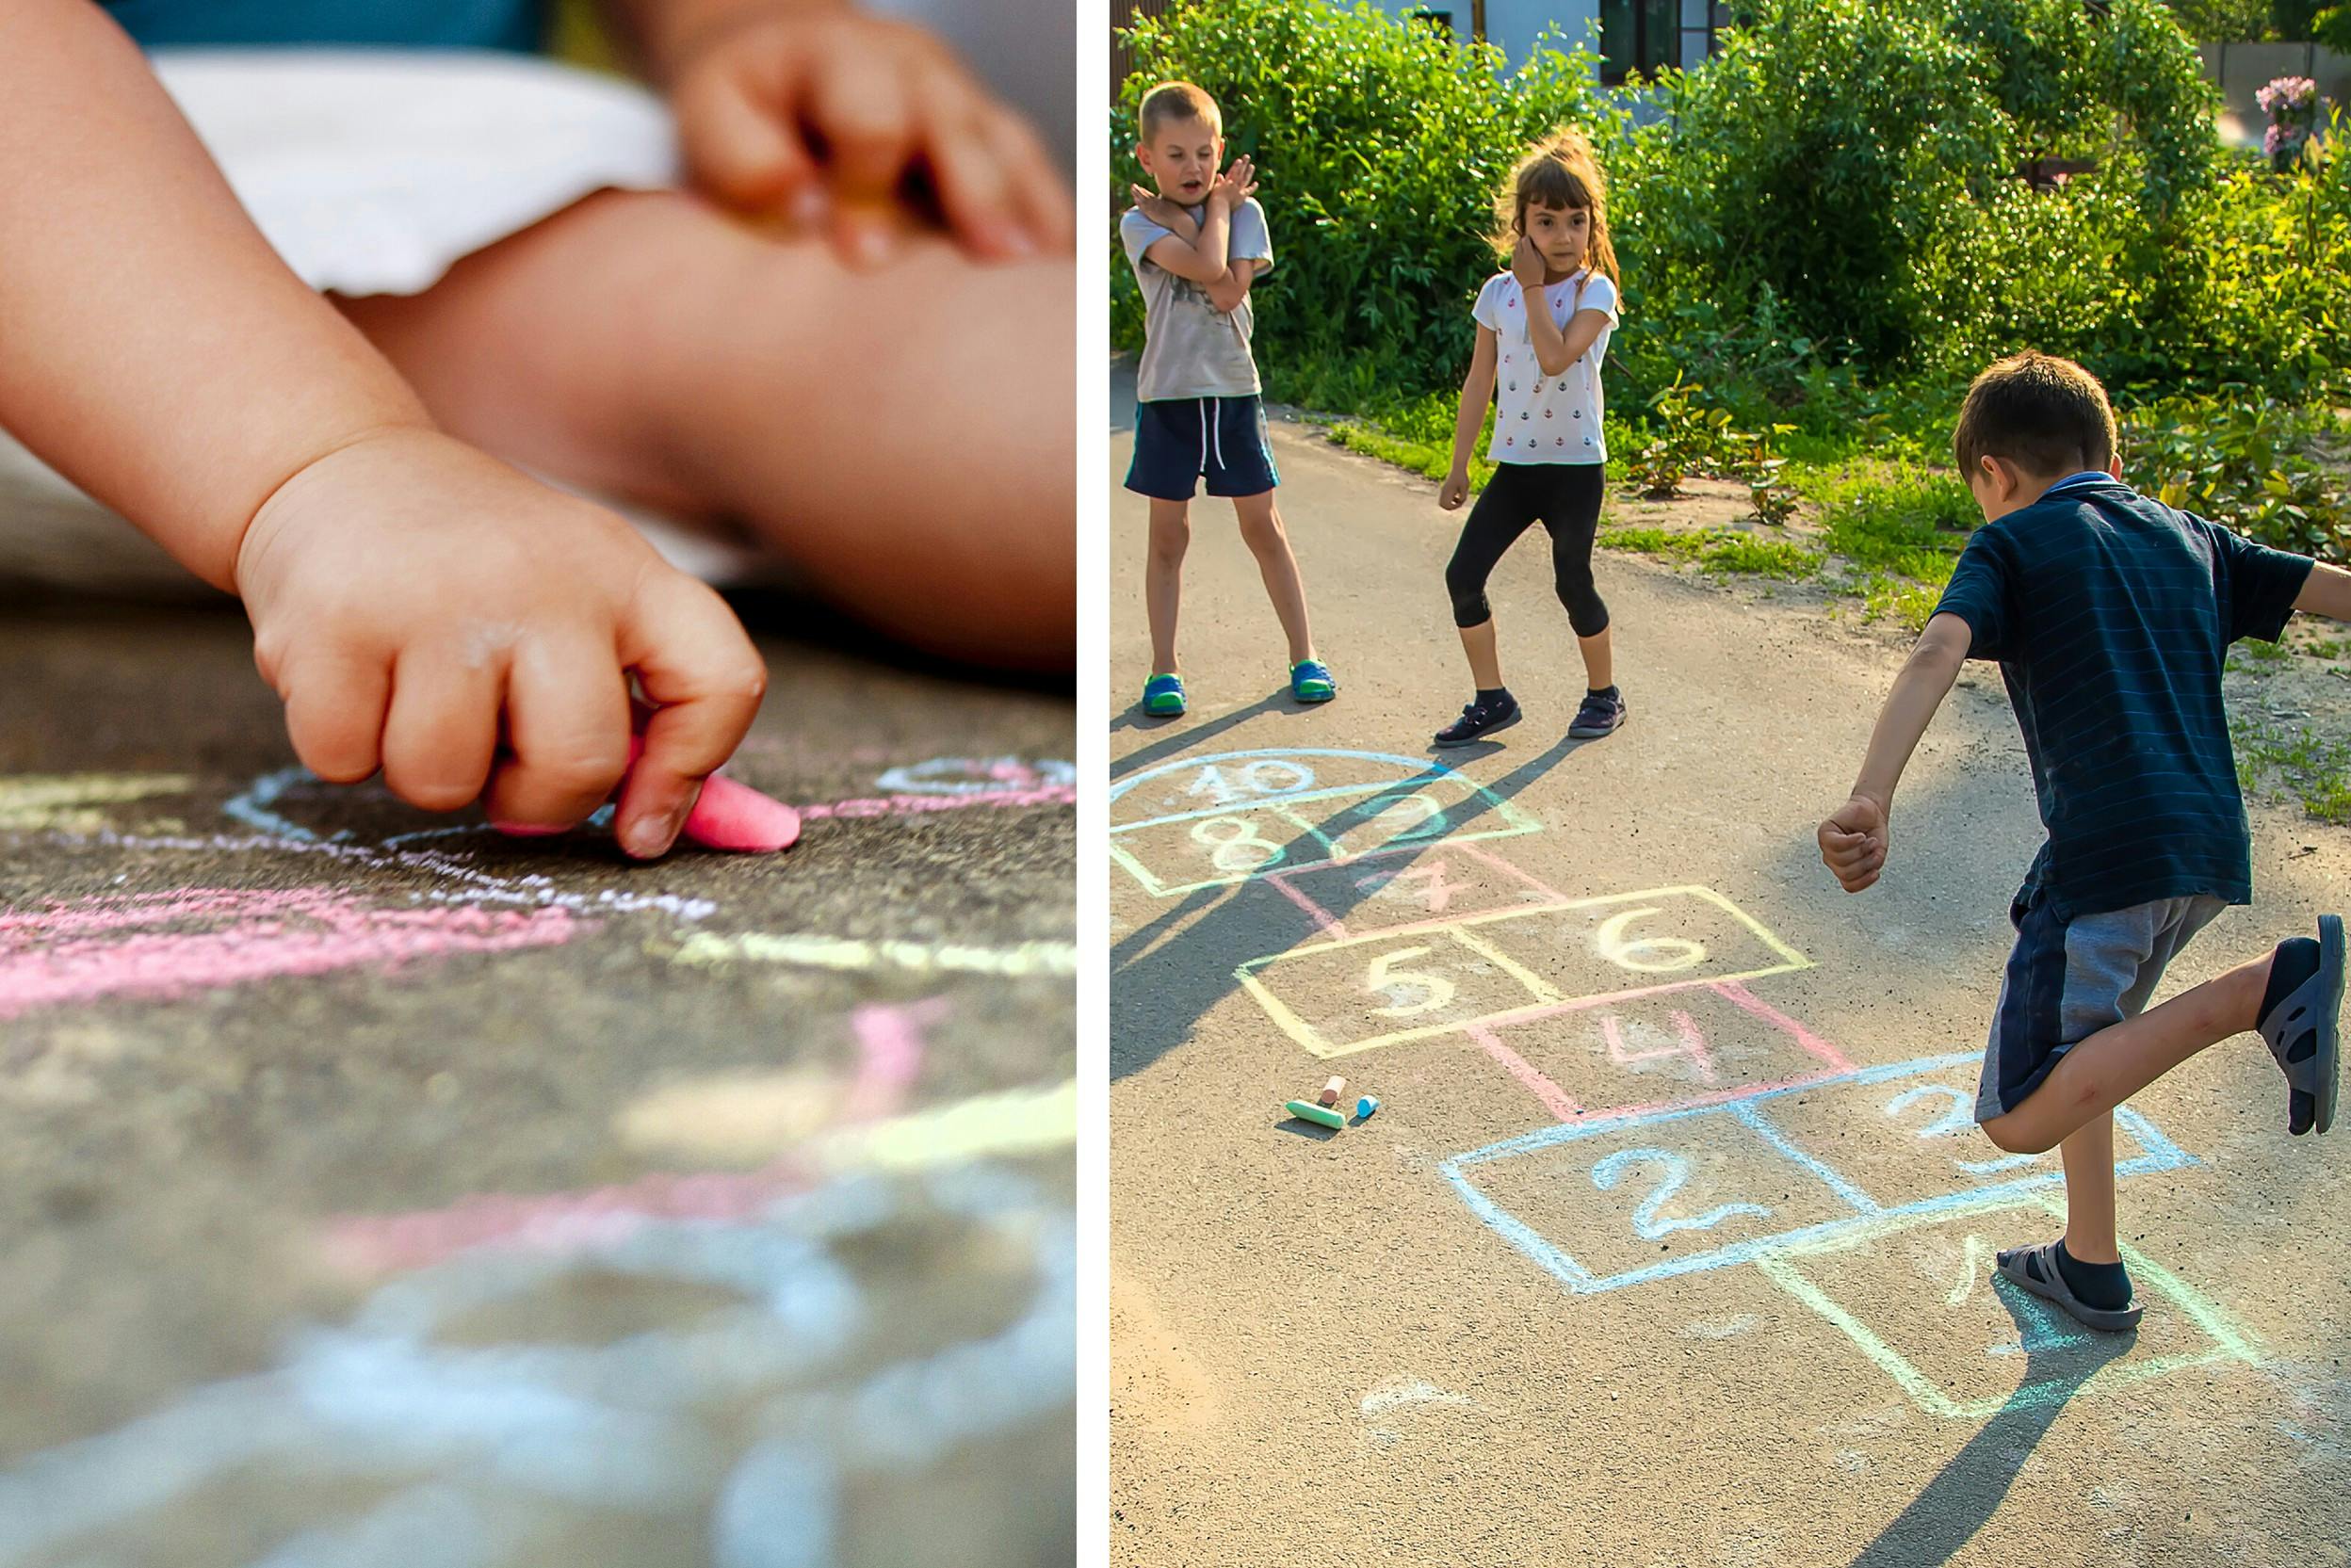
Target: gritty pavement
<point>1670,1242</point>
<point>375,1191</point>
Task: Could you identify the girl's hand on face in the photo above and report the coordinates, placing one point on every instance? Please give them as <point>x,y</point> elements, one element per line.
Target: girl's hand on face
<point>882,98</point>
<point>1454,491</point>
<point>1238,183</point>
<point>1527,264</point>
<point>422,608</point>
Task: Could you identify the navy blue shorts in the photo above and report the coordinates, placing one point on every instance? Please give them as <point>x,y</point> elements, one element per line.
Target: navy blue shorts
<point>1222,440</point>
<point>2068,979</point>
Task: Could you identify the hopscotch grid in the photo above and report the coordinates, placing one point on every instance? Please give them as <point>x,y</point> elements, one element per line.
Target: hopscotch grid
<point>1327,923</point>
<point>2159,1153</point>
<point>1744,1110</point>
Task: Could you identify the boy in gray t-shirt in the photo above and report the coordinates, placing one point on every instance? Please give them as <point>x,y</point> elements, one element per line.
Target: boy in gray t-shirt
<point>1197,241</point>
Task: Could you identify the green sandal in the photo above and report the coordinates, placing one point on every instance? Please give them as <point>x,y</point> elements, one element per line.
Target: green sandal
<point>1310,681</point>
<point>1163,696</point>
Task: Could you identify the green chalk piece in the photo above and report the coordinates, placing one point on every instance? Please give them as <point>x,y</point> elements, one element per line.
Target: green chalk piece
<point>1365,1107</point>
<point>1306,1111</point>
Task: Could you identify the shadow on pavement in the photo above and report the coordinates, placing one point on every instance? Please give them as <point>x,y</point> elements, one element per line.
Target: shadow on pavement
<point>2060,1357</point>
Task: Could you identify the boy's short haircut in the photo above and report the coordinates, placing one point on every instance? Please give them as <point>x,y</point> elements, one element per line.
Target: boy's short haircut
<point>1170,102</point>
<point>2047,416</point>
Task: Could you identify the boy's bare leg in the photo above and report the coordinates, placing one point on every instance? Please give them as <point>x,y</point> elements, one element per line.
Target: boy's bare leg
<point>1163,578</point>
<point>1261,530</point>
<point>2110,1066</point>
<point>1600,663</point>
<point>905,437</point>
<point>2090,1158</point>
<point>1485,658</point>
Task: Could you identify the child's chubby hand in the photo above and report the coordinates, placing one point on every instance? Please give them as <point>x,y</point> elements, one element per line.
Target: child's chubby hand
<point>1854,843</point>
<point>812,109</point>
<point>422,608</point>
<point>1454,491</point>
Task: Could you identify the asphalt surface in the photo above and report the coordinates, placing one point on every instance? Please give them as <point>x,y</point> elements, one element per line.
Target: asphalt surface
<point>373,1199</point>
<point>1670,1242</point>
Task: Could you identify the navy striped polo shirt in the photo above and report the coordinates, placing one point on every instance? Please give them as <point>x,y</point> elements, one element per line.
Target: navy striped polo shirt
<point>513,25</point>
<point>2110,615</point>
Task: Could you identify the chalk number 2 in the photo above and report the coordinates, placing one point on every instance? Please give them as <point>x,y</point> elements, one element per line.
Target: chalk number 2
<point>1646,1224</point>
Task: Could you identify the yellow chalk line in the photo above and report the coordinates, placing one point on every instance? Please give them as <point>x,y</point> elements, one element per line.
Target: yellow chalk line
<point>1013,1121</point>
<point>708,949</point>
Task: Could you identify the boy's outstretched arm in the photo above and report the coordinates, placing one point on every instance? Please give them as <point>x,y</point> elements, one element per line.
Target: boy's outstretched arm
<point>1853,840</point>
<point>2326,593</point>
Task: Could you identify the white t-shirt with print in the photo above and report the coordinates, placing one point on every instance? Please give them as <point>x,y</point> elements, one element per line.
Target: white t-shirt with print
<point>1541,418</point>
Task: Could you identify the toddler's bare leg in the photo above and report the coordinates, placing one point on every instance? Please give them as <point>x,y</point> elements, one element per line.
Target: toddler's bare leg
<point>905,437</point>
<point>2110,1066</point>
<point>1163,579</point>
<point>1261,530</point>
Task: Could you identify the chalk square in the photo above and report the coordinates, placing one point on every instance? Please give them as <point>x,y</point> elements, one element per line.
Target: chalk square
<point>1192,787</point>
<point>1338,997</point>
<point>1625,1199</point>
<point>1405,889</point>
<point>1917,1297</point>
<point>1636,941</point>
<point>1909,1139</point>
<point>1644,1053</point>
<point>1174,857</point>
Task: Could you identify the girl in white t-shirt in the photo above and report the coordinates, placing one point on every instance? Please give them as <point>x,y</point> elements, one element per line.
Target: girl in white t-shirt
<point>1543,329</point>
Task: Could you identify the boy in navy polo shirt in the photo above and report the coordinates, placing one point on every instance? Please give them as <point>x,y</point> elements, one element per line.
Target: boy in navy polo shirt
<point>2110,615</point>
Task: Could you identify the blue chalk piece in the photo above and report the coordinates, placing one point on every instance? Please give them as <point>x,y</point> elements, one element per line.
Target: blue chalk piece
<point>1365,1107</point>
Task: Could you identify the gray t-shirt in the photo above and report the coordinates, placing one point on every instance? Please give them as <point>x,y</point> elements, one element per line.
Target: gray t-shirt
<point>1190,348</point>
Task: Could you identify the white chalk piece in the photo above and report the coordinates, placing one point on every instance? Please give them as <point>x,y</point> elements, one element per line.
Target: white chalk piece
<point>1365,1107</point>
<point>1331,1090</point>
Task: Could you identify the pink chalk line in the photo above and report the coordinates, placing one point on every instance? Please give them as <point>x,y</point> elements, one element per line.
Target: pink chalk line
<point>891,1045</point>
<point>914,805</point>
<point>1555,1099</point>
<point>103,947</point>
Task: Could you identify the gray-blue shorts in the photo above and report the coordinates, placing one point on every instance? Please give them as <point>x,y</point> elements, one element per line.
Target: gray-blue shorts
<point>2068,979</point>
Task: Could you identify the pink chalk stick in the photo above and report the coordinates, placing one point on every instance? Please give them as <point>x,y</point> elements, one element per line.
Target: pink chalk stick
<point>726,815</point>
<point>731,816</point>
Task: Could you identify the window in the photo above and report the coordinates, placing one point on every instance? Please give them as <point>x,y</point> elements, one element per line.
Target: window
<point>1649,34</point>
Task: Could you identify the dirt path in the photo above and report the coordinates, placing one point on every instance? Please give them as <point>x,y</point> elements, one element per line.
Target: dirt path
<point>379,1193</point>
<point>1670,1242</point>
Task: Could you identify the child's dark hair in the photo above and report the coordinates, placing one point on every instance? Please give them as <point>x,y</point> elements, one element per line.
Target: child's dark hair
<point>2047,416</point>
<point>1172,101</point>
<point>1558,171</point>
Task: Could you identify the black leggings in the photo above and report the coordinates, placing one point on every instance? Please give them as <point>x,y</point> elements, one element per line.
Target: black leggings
<point>1565,498</point>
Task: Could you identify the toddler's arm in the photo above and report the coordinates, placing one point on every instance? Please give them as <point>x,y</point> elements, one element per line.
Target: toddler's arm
<point>1853,840</point>
<point>1476,395</point>
<point>2327,592</point>
<point>160,356</point>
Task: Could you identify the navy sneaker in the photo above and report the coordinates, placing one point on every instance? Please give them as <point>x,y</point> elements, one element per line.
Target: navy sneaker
<point>1601,714</point>
<point>1478,719</point>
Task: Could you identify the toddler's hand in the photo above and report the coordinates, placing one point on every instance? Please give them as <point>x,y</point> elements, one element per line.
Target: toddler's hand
<point>1236,183</point>
<point>419,605</point>
<point>1854,842</point>
<point>1454,491</point>
<point>876,98</point>
<point>1527,264</point>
